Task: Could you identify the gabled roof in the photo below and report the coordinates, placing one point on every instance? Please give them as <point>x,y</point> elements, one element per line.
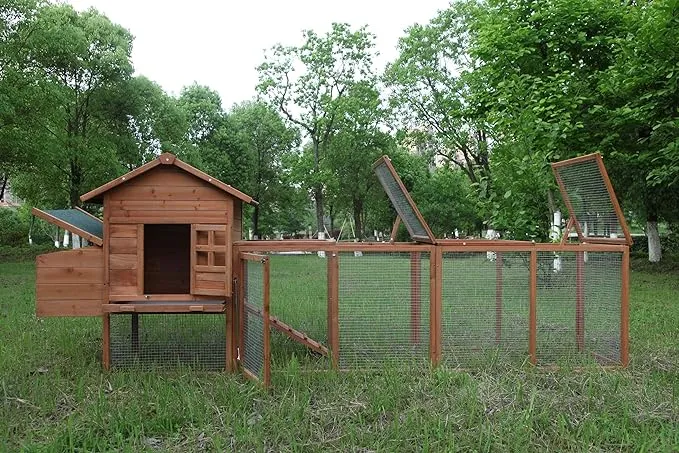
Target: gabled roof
<point>165,159</point>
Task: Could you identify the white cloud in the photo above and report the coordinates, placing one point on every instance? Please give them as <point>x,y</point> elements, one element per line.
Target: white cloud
<point>219,43</point>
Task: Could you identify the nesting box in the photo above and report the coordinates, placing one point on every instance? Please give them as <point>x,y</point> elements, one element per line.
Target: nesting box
<point>164,246</point>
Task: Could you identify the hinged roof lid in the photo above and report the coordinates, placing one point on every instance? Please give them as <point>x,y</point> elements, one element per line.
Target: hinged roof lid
<point>591,202</point>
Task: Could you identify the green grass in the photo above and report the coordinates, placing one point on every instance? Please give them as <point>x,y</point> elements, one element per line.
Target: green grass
<point>55,397</point>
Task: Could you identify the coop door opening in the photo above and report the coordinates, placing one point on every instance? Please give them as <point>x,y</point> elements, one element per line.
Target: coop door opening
<point>167,259</point>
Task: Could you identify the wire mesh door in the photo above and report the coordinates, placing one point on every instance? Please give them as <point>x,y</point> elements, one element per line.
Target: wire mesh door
<point>254,350</point>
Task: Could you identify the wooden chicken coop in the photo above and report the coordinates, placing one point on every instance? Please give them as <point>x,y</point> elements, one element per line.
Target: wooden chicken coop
<point>164,246</point>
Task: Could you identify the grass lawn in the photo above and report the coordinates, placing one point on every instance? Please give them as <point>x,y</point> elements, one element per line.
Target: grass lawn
<point>55,397</point>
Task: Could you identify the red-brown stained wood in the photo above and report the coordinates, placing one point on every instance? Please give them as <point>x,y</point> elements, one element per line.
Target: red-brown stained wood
<point>70,275</point>
<point>160,192</point>
<point>122,277</point>
<point>68,291</point>
<point>123,231</point>
<point>84,257</point>
<point>170,205</point>
<point>123,245</point>
<point>163,308</point>
<point>123,261</point>
<point>69,307</point>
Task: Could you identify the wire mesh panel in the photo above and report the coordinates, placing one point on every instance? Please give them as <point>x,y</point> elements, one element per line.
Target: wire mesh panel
<point>578,307</point>
<point>585,191</point>
<point>254,347</point>
<point>383,308</point>
<point>401,201</point>
<point>602,280</point>
<point>485,303</point>
<point>195,340</point>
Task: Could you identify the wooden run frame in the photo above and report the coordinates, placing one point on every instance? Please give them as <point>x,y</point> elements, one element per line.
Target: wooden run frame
<point>333,251</point>
<point>573,221</point>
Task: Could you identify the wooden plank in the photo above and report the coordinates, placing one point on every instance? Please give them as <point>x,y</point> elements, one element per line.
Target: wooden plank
<point>162,308</point>
<point>122,292</point>
<point>176,217</point>
<point>624,310</point>
<point>298,336</point>
<point>209,277</point>
<point>123,277</point>
<point>574,160</point>
<point>215,215</point>
<point>69,307</point>
<point>211,227</point>
<point>67,226</point>
<point>217,183</point>
<point>167,175</point>
<point>197,192</point>
<point>107,250</point>
<point>532,315</point>
<point>123,231</point>
<point>140,259</point>
<point>210,285</point>
<point>192,276</point>
<point>123,261</point>
<point>70,275</point>
<point>227,261</point>
<point>394,229</point>
<point>68,291</point>
<point>83,257</point>
<point>170,205</point>
<point>123,246</point>
<point>211,247</point>
<point>159,297</point>
<point>218,269</point>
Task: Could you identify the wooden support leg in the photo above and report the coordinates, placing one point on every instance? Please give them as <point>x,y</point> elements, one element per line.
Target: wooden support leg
<point>415,296</point>
<point>135,333</point>
<point>498,297</point>
<point>580,300</point>
<point>106,342</point>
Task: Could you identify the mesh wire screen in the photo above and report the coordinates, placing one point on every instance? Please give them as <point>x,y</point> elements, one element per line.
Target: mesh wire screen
<point>589,197</point>
<point>252,353</point>
<point>485,307</point>
<point>193,340</point>
<point>400,202</point>
<point>299,298</point>
<point>578,307</point>
<point>383,309</point>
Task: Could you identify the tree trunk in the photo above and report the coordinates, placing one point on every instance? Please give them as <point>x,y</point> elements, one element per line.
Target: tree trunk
<point>654,251</point>
<point>358,210</point>
<point>75,184</point>
<point>3,186</point>
<point>255,222</point>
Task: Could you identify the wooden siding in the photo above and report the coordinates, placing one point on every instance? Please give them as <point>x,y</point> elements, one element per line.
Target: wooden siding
<point>70,283</point>
<point>123,260</point>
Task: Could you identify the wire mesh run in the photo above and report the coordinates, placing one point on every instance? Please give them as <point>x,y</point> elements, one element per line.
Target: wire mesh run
<point>578,307</point>
<point>252,348</point>
<point>589,197</point>
<point>151,341</point>
<point>383,309</point>
<point>485,307</point>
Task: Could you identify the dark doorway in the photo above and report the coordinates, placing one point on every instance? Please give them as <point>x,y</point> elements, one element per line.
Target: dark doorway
<point>167,259</point>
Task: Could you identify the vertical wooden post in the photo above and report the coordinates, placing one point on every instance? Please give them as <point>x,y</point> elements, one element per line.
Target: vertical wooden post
<point>140,259</point>
<point>533,295</point>
<point>106,342</point>
<point>415,296</point>
<point>580,300</point>
<point>135,332</point>
<point>266,319</point>
<point>624,310</point>
<point>241,306</point>
<point>438,293</point>
<point>333,306</point>
<point>434,307</point>
<point>498,296</point>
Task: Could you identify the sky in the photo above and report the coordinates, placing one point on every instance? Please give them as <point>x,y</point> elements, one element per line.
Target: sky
<point>220,43</point>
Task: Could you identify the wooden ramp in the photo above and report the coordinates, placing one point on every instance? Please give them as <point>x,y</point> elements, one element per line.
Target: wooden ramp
<point>298,336</point>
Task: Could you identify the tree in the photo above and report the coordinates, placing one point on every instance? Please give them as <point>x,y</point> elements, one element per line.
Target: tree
<point>639,110</point>
<point>264,138</point>
<point>307,82</point>
<point>431,82</point>
<point>72,61</point>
